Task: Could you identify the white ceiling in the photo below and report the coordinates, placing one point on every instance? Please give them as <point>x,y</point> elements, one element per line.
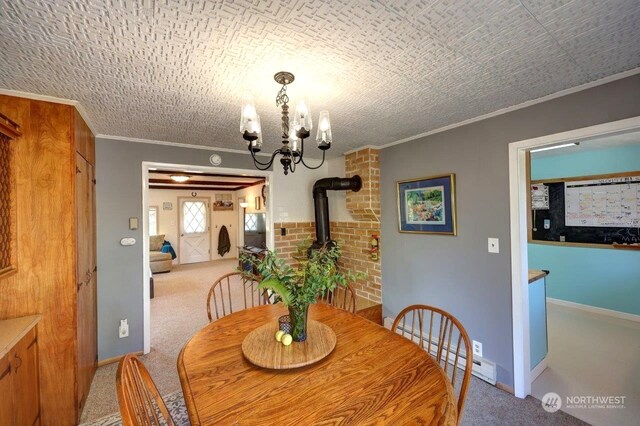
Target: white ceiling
<point>176,70</point>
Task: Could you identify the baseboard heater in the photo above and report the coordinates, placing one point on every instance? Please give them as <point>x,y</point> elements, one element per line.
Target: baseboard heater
<point>482,368</point>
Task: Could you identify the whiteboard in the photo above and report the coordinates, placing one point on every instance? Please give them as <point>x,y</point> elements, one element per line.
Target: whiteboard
<point>610,202</point>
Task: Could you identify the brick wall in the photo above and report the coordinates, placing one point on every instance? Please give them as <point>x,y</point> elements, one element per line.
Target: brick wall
<point>354,236</point>
<point>364,205</point>
<point>286,246</point>
<point>354,239</point>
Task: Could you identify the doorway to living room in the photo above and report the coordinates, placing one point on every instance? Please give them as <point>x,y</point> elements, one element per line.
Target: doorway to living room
<point>193,228</point>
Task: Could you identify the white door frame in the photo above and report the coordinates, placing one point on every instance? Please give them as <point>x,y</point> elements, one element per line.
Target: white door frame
<point>519,252</point>
<point>146,296</point>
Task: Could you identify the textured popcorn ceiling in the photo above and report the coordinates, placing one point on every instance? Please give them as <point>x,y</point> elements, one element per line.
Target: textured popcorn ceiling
<point>176,70</point>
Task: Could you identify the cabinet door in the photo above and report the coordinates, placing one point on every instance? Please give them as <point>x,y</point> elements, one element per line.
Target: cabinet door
<point>83,224</point>
<point>25,380</point>
<point>87,292</point>
<point>6,390</point>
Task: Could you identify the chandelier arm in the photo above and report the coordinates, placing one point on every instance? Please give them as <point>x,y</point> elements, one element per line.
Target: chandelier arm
<point>266,165</point>
<point>318,166</point>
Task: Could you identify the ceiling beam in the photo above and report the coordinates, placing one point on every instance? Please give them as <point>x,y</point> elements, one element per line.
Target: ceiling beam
<point>204,182</point>
<point>195,188</point>
<point>175,172</point>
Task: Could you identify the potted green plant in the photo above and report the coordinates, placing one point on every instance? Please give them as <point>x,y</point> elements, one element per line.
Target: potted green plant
<point>299,285</point>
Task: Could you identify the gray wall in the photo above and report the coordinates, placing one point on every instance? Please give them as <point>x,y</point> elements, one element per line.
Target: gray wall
<point>457,273</point>
<point>119,197</point>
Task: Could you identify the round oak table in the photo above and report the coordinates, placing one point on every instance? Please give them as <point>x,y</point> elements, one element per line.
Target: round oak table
<point>372,376</point>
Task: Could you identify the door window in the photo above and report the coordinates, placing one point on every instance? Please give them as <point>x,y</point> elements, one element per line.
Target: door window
<point>194,217</point>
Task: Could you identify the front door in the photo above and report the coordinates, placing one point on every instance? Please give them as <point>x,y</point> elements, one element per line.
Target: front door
<point>195,242</point>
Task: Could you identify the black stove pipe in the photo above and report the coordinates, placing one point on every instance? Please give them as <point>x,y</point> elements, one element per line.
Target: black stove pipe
<point>321,203</point>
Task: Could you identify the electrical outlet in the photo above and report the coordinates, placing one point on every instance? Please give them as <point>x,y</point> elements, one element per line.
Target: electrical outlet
<point>477,348</point>
<point>494,245</point>
<point>123,330</point>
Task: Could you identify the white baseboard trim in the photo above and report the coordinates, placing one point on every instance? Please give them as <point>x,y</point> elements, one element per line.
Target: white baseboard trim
<point>538,369</point>
<point>594,309</point>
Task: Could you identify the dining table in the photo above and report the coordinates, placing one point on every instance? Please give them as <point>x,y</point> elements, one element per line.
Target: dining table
<point>372,376</point>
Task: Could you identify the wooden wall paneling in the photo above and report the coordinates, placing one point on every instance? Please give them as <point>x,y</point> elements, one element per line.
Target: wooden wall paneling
<point>45,281</point>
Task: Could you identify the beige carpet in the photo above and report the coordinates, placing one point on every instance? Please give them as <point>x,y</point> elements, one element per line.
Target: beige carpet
<point>178,311</point>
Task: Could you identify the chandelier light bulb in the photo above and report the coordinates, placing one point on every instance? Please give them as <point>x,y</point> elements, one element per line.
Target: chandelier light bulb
<point>249,111</point>
<point>302,120</point>
<point>323,137</point>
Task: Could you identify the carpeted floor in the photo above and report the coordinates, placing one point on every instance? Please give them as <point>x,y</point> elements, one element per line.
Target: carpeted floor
<point>179,310</point>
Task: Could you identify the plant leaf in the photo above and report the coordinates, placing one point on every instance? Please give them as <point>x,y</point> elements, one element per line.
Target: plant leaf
<point>278,287</point>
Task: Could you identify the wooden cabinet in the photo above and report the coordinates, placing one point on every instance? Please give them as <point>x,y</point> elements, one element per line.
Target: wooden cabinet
<point>86,269</point>
<point>19,379</point>
<point>56,274</point>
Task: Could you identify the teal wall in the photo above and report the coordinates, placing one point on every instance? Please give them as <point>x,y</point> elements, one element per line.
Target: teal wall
<point>602,278</point>
<point>539,345</point>
<point>596,162</point>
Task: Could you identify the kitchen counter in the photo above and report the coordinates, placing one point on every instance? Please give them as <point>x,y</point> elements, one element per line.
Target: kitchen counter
<point>12,330</point>
<point>535,275</point>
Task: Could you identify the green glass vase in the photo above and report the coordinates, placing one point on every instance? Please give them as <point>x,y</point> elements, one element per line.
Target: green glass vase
<point>298,318</point>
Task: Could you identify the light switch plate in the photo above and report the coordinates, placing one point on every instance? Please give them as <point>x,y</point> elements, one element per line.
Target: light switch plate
<point>494,245</point>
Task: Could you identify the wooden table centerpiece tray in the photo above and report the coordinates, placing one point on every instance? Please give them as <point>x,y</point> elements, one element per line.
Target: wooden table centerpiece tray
<point>261,348</point>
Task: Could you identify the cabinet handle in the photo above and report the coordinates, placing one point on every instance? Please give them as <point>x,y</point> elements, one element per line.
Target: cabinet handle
<point>15,369</point>
<point>5,372</point>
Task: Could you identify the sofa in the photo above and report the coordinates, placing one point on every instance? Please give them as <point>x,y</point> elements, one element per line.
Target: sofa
<point>158,261</point>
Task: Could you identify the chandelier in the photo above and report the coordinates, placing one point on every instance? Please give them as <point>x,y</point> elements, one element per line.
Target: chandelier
<point>292,150</point>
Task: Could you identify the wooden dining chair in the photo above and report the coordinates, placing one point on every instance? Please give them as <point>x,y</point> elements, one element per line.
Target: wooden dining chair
<point>234,292</point>
<point>420,323</point>
<point>341,297</point>
<point>138,397</point>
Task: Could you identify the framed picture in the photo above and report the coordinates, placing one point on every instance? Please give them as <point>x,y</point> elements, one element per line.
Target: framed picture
<point>428,205</point>
<point>167,206</point>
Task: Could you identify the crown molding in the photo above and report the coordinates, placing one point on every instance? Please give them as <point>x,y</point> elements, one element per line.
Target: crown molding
<point>532,102</point>
<point>180,145</point>
<point>45,98</point>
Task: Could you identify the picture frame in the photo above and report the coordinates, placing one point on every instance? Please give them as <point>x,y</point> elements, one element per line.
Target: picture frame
<point>427,205</point>
<point>167,205</point>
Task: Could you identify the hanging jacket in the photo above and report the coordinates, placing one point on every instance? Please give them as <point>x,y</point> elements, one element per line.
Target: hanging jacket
<point>224,244</point>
